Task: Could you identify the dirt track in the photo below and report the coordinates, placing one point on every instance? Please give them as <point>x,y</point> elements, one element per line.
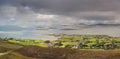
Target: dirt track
<point>1,54</point>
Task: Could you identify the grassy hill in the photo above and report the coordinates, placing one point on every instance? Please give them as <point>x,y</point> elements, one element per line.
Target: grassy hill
<point>14,55</point>
<point>6,46</point>
<point>36,52</point>
<point>11,50</point>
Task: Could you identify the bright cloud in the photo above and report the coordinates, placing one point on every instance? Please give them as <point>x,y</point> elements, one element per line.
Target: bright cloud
<point>42,16</point>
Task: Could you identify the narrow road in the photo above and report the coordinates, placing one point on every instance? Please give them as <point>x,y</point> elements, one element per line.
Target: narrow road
<point>1,54</point>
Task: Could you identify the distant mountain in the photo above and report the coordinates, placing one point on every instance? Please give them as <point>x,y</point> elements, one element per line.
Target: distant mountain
<point>100,24</point>
<point>75,26</point>
<point>65,27</point>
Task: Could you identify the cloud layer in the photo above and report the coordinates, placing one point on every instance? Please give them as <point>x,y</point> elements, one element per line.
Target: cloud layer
<point>51,11</point>
<point>31,14</point>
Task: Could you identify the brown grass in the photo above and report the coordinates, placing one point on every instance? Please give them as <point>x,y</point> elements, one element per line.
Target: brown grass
<point>60,53</point>
<point>3,49</point>
<point>47,53</point>
<point>96,55</point>
<point>15,55</point>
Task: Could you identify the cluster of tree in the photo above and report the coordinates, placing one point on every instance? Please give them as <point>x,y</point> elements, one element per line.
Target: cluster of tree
<point>80,42</point>
<point>90,42</point>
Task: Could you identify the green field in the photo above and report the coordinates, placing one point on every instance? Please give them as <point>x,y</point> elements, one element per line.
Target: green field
<point>90,46</point>
<point>69,41</point>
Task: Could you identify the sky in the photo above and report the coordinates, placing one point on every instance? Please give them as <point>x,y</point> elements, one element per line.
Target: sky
<point>21,17</point>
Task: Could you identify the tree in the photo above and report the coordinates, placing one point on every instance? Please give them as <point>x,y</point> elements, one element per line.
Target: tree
<point>59,44</point>
<point>49,43</point>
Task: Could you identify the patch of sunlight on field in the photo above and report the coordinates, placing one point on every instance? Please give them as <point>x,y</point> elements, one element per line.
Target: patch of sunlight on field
<point>42,45</point>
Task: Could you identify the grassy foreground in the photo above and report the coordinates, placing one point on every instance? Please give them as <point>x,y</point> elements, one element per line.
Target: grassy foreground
<point>36,52</point>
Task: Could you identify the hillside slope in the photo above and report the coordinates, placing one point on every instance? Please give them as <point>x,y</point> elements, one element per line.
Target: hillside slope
<point>60,53</point>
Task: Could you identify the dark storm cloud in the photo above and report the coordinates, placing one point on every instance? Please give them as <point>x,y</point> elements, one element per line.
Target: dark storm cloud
<point>73,5</point>
<point>68,5</point>
<point>29,14</point>
<point>71,8</point>
<point>98,18</point>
